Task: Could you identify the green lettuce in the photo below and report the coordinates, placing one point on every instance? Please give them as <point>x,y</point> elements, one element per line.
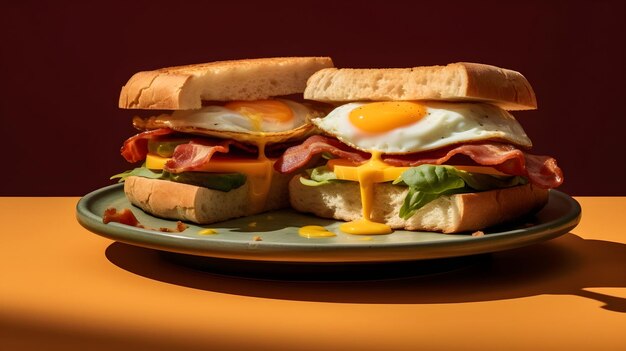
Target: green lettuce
<point>319,176</point>
<point>215,181</point>
<point>138,172</point>
<point>428,182</point>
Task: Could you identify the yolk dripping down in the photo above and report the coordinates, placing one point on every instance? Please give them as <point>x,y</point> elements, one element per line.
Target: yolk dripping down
<point>380,117</point>
<point>261,180</point>
<point>367,175</point>
<point>376,118</point>
<point>257,111</point>
<point>258,171</point>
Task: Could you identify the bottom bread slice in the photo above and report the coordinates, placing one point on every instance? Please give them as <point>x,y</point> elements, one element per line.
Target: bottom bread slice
<point>448,214</point>
<point>185,202</point>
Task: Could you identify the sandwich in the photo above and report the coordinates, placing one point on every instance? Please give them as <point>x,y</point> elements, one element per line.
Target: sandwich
<point>205,149</point>
<point>423,148</point>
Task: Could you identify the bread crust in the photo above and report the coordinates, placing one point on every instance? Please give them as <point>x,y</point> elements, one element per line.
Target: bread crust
<point>447,214</point>
<point>461,81</point>
<point>167,199</point>
<point>185,87</point>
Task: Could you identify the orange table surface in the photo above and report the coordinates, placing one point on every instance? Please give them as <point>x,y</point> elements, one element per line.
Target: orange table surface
<point>62,287</point>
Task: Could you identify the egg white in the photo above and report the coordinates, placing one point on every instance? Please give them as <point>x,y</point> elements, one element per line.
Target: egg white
<point>444,124</point>
<point>219,118</point>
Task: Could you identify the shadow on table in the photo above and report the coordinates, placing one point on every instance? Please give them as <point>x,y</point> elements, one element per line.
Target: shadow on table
<point>565,266</point>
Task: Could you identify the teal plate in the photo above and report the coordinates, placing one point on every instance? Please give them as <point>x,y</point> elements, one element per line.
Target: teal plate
<point>273,236</point>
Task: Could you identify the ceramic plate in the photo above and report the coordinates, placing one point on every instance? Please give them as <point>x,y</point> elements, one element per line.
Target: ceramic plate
<point>273,236</point>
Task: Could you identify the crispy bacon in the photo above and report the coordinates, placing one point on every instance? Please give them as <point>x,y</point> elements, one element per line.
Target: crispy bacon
<point>540,170</point>
<point>186,156</point>
<point>135,148</point>
<point>197,153</point>
<point>299,156</point>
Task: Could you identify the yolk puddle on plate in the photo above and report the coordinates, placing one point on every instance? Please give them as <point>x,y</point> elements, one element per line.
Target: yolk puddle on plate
<point>315,231</point>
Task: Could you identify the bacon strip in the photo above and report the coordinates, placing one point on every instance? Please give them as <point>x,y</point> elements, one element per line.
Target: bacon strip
<point>191,156</point>
<point>299,156</point>
<point>135,148</point>
<point>197,153</point>
<point>540,170</point>
<point>186,156</point>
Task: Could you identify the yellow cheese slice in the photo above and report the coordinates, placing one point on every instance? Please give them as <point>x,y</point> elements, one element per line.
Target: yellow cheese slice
<point>375,170</point>
<point>347,170</point>
<point>258,172</point>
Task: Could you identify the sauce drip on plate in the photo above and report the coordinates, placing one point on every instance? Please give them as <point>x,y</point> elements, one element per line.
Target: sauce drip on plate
<point>315,231</point>
<point>127,217</point>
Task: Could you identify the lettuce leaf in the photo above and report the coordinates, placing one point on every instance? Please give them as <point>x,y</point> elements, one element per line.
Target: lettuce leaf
<point>319,176</point>
<point>139,172</point>
<point>215,181</point>
<point>428,182</point>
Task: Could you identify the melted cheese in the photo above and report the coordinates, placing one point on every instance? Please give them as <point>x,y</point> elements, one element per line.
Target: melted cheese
<point>258,172</point>
<point>377,171</point>
<point>347,170</point>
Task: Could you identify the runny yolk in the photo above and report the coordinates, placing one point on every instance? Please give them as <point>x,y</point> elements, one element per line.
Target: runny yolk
<point>260,176</point>
<point>260,181</point>
<point>380,117</point>
<point>368,174</point>
<point>259,111</point>
<point>272,111</point>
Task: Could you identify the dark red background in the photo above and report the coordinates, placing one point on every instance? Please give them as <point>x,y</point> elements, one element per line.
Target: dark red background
<point>63,64</point>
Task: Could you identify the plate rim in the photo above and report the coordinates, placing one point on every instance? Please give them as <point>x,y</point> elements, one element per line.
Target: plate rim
<point>294,252</point>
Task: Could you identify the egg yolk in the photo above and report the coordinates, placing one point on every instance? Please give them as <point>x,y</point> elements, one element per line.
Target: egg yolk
<point>315,231</point>
<point>258,111</point>
<point>262,110</point>
<point>368,174</point>
<point>380,117</point>
<point>261,180</point>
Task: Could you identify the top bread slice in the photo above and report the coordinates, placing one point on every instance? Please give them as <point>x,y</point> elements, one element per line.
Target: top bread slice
<point>455,82</point>
<point>185,87</point>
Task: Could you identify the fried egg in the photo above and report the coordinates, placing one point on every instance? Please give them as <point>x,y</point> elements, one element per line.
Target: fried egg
<point>275,120</point>
<point>401,127</point>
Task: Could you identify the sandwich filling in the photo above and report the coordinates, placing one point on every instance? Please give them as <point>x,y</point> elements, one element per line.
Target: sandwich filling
<point>219,147</point>
<point>434,149</point>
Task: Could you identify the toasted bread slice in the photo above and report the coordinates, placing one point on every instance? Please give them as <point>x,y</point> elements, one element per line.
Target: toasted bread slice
<point>448,214</point>
<point>185,202</point>
<point>455,82</point>
<point>185,87</point>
